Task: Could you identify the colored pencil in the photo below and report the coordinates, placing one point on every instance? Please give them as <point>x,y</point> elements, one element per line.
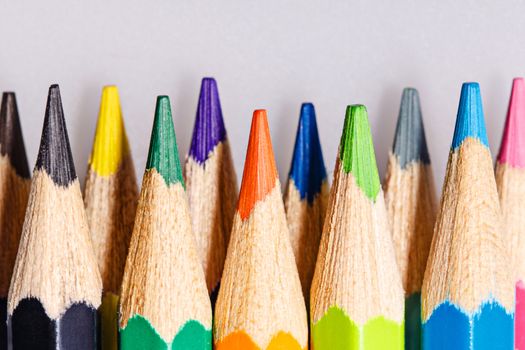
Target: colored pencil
<point>211,185</point>
<point>110,198</point>
<point>260,304</point>
<point>410,197</point>
<point>14,192</point>
<point>468,294</point>
<point>306,196</point>
<point>510,179</point>
<point>164,300</point>
<point>56,286</point>
<point>356,295</point>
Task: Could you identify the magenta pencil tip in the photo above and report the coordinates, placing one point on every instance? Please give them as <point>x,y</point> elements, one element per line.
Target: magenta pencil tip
<point>512,150</point>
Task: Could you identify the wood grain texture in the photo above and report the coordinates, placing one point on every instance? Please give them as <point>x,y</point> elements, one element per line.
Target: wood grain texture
<point>163,280</point>
<point>212,194</point>
<point>55,263</point>
<point>511,189</point>
<point>305,222</point>
<point>467,264</point>
<point>260,290</point>
<point>411,205</point>
<point>356,268</point>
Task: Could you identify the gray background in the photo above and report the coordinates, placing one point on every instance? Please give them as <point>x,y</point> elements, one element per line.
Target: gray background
<point>265,54</point>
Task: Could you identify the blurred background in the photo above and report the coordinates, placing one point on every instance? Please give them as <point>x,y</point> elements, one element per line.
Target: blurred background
<point>266,54</point>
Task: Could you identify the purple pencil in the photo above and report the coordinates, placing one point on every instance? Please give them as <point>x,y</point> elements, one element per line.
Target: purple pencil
<point>211,185</point>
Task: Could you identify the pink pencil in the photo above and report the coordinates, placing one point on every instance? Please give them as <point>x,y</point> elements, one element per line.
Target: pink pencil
<point>510,178</point>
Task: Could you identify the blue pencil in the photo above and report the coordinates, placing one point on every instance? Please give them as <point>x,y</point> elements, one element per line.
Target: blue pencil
<point>306,196</point>
<point>468,294</point>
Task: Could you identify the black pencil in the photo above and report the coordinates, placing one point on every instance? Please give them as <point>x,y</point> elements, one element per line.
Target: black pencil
<point>14,191</point>
<point>56,287</point>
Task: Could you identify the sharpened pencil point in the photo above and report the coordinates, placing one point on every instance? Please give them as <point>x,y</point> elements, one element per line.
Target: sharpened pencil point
<point>209,125</point>
<point>110,145</point>
<point>163,152</point>
<point>512,149</point>
<point>11,139</point>
<point>356,150</point>
<point>470,121</point>
<point>308,171</point>
<point>409,143</point>
<point>260,172</point>
<point>54,155</point>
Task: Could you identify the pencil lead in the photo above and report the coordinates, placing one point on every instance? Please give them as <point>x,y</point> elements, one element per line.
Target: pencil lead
<point>409,142</point>
<point>512,149</point>
<point>357,150</point>
<point>308,170</point>
<point>209,125</point>
<point>163,152</point>
<point>54,155</point>
<point>110,145</point>
<point>11,139</point>
<point>260,172</point>
<point>470,120</point>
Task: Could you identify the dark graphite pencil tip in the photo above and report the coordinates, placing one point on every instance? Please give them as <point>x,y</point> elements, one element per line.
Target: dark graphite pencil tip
<point>209,125</point>
<point>470,121</point>
<point>54,155</point>
<point>410,144</point>
<point>163,153</point>
<point>308,170</point>
<point>11,139</point>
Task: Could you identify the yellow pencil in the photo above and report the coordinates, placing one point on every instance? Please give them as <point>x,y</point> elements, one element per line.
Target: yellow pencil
<point>110,198</point>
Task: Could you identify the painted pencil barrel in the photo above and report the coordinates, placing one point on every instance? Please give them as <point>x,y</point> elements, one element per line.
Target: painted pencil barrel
<point>336,331</point>
<point>519,322</point>
<point>31,328</point>
<point>449,327</point>
<point>413,322</point>
<point>139,334</point>
<point>108,311</point>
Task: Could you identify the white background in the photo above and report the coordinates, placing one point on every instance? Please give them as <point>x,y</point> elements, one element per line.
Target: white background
<point>264,54</point>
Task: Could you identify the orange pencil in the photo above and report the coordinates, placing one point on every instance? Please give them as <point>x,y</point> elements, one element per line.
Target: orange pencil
<point>260,304</point>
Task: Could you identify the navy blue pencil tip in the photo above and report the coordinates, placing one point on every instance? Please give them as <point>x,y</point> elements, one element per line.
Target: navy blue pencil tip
<point>307,170</point>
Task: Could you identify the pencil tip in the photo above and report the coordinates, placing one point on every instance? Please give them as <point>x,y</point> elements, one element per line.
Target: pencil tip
<point>356,151</point>
<point>260,172</point>
<point>110,144</point>
<point>308,170</point>
<point>410,144</point>
<point>163,153</point>
<point>54,155</point>
<point>470,121</point>
<point>11,139</point>
<point>209,129</point>
<point>512,150</point>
